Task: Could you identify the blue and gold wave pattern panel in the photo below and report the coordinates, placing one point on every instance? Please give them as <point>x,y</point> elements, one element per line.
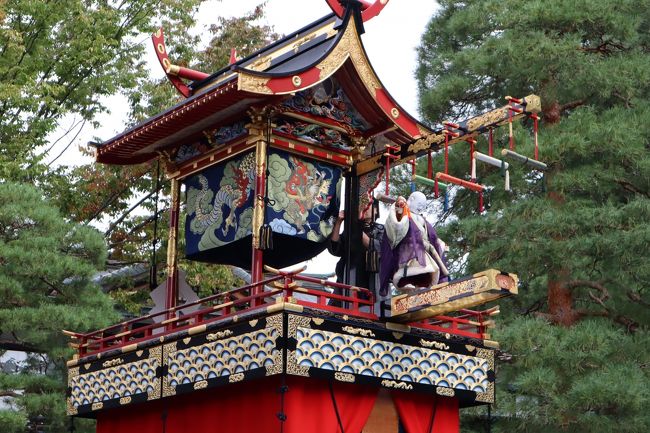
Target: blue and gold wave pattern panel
<point>303,196</point>
<point>117,381</point>
<point>221,356</point>
<point>220,204</point>
<point>382,359</point>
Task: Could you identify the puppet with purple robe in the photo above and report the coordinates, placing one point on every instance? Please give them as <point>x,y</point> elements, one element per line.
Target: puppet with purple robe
<point>412,256</point>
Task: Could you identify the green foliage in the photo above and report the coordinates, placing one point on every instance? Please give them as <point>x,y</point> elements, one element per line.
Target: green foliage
<point>578,237</point>
<point>95,50</point>
<point>65,57</point>
<point>133,235</point>
<point>595,383</point>
<point>131,301</point>
<point>209,279</point>
<point>12,421</point>
<point>45,286</point>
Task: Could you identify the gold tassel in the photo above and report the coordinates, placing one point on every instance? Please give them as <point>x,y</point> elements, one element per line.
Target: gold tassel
<point>266,238</point>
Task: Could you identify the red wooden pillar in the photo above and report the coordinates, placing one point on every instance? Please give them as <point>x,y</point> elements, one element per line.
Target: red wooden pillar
<point>261,127</point>
<point>172,256</point>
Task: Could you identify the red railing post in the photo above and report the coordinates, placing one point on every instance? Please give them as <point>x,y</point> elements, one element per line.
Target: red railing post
<point>82,345</point>
<point>288,286</point>
<point>355,301</point>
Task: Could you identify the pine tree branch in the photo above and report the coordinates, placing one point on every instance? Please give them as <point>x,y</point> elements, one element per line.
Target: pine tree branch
<point>631,188</point>
<point>600,300</point>
<point>570,285</point>
<point>636,298</point>
<point>10,341</point>
<point>554,111</point>
<point>571,105</point>
<point>535,306</point>
<point>630,324</point>
<point>52,286</point>
<point>626,101</point>
<point>604,48</point>
<point>546,316</point>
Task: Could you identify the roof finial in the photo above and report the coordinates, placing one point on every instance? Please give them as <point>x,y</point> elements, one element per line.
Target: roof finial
<point>369,8</point>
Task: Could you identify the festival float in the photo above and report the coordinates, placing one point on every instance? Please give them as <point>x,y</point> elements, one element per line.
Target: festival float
<point>262,149</point>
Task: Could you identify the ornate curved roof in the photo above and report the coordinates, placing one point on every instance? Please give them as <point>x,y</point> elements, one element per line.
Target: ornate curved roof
<point>329,47</point>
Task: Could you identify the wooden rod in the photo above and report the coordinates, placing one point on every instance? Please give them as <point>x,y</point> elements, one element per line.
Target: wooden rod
<point>535,129</point>
<point>491,142</point>
<point>385,198</point>
<point>476,187</point>
<point>188,73</point>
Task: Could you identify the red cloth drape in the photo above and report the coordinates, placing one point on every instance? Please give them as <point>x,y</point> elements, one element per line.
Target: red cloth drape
<point>137,418</point>
<point>415,411</point>
<point>249,407</point>
<point>309,406</point>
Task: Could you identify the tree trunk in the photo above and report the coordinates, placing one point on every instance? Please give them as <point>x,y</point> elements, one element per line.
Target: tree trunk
<point>560,300</point>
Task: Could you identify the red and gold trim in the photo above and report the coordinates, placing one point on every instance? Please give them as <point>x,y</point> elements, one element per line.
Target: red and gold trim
<point>369,8</point>
<point>293,146</point>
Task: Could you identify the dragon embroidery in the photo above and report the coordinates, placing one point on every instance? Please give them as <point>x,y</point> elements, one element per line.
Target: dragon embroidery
<point>229,196</point>
<point>306,189</point>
